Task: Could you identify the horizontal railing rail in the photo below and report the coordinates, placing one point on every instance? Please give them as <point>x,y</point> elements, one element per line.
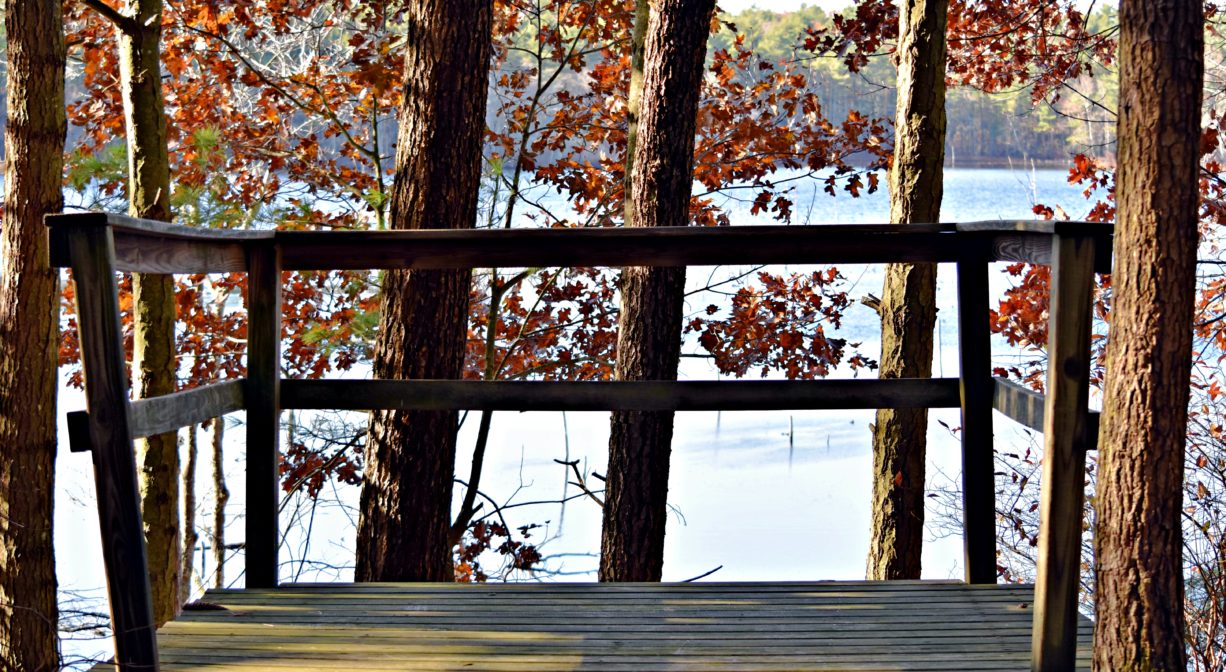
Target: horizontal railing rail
<point>97,246</point>
<point>1025,407</point>
<point>688,395</point>
<point>167,413</point>
<point>157,247</point>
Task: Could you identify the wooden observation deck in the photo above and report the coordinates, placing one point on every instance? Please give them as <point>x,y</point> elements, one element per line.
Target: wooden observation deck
<point>900,625</point>
<point>974,624</point>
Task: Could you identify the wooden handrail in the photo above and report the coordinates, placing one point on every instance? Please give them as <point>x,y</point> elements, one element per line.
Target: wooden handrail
<point>160,228</point>
<point>690,395</point>
<point>97,245</point>
<point>167,413</point>
<point>151,246</point>
<point>1025,407</point>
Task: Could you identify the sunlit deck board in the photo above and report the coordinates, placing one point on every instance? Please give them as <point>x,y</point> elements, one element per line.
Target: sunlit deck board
<point>616,627</point>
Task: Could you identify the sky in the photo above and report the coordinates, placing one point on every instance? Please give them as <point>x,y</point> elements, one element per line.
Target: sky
<point>734,6</point>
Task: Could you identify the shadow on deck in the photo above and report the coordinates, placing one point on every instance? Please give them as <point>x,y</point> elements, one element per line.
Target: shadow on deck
<point>899,625</point>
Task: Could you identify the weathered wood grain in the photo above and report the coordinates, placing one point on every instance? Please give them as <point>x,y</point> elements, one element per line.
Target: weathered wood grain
<point>92,254</point>
<point>150,246</point>
<point>156,254</point>
<point>1030,240</point>
<point>1035,248</point>
<point>626,396</point>
<point>158,415</point>
<point>908,625</point>
<point>859,586</point>
<point>1065,440</point>
<point>1032,248</point>
<point>488,603</point>
<point>697,666</point>
<point>1043,226</point>
<point>1025,406</point>
<point>122,224</point>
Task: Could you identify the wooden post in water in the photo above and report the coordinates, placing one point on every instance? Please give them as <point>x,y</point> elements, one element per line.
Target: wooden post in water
<point>1065,441</point>
<point>263,395</point>
<point>978,464</point>
<point>92,256</point>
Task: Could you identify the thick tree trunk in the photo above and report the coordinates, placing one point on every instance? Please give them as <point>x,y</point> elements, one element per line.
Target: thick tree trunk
<point>153,357</point>
<point>908,299</point>
<point>649,336</point>
<point>410,456</point>
<point>34,152</point>
<point>1138,540</point>
<point>634,98</point>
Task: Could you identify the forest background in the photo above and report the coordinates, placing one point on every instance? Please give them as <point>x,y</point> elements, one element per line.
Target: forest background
<point>997,129</point>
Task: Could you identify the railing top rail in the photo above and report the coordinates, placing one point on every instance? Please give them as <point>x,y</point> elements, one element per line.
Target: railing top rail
<point>152,246</point>
<point>1043,226</point>
<point>154,227</point>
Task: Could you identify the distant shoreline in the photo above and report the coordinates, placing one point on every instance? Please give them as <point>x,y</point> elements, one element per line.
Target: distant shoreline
<point>1061,163</point>
<point>1025,164</point>
<point>1016,164</point>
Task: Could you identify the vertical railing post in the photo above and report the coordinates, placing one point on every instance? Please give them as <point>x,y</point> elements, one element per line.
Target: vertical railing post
<point>263,395</point>
<point>1054,640</point>
<point>975,377</point>
<point>91,251</point>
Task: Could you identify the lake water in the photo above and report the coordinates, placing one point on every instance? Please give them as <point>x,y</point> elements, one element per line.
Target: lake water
<point>762,495</point>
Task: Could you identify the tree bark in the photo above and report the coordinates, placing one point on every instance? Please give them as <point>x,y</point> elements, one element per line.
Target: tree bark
<point>1138,538</point>
<point>153,356</point>
<point>908,298</point>
<point>221,496</point>
<point>410,456</point>
<point>34,151</point>
<point>190,536</point>
<point>634,98</point>
<point>649,330</point>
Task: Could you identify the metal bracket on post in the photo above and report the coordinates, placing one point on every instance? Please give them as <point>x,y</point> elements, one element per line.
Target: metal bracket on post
<point>78,432</point>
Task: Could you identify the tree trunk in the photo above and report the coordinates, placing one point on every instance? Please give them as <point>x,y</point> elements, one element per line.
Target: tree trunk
<point>410,456</point>
<point>190,537</point>
<point>153,356</point>
<point>634,97</point>
<point>649,331</point>
<point>221,496</point>
<point>34,151</point>
<point>1138,539</point>
<point>908,299</point>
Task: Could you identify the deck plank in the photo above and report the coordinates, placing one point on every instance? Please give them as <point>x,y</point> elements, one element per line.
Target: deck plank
<point>616,627</point>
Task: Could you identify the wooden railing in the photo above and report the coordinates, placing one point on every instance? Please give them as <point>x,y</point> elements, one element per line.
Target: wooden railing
<point>96,246</point>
